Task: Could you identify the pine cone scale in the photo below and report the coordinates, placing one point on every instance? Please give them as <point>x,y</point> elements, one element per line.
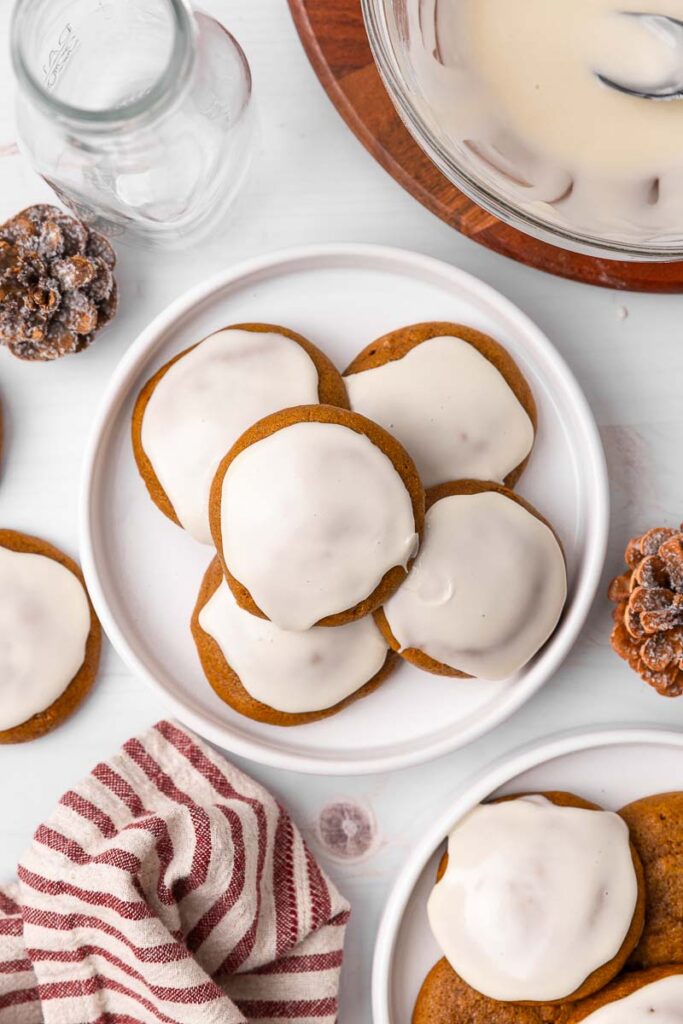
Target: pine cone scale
<point>671,553</point>
<point>620,587</point>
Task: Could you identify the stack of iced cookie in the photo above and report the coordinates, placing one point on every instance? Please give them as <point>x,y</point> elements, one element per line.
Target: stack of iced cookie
<point>355,518</point>
<point>550,910</point>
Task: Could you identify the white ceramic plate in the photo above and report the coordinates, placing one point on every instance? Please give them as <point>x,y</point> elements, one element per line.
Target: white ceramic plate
<point>144,573</point>
<point>610,767</point>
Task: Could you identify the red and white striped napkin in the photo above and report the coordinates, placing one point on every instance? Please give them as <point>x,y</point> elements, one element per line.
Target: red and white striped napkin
<point>169,888</point>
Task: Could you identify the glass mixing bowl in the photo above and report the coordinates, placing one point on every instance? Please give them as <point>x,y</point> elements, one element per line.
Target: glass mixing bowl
<point>392,26</point>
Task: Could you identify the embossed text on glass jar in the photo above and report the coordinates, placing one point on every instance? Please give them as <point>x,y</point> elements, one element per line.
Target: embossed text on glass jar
<point>136,112</point>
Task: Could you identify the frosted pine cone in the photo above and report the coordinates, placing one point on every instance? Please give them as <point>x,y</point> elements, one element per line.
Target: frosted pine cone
<point>648,618</point>
<point>57,287</point>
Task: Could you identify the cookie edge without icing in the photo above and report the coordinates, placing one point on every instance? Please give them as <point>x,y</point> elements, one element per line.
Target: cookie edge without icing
<point>653,821</point>
<point>445,998</point>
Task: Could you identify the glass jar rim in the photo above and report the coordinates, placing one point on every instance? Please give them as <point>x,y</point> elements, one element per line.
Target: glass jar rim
<point>179,62</point>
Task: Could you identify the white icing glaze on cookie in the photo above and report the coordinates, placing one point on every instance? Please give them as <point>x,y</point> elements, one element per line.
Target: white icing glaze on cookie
<point>207,399</point>
<point>450,407</point>
<point>658,1003</point>
<point>535,898</point>
<point>293,672</point>
<point>312,517</point>
<point>486,589</point>
<point>44,627</point>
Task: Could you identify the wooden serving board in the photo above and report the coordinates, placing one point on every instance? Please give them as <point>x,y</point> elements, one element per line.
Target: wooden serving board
<point>333,35</point>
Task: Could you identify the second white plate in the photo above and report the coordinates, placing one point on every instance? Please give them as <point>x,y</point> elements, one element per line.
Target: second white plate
<point>144,573</point>
<point>610,767</point>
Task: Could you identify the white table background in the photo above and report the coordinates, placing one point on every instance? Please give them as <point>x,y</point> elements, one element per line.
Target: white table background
<point>313,182</point>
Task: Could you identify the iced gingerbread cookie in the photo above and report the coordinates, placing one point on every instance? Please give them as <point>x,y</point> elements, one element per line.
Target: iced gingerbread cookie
<point>316,515</point>
<point>656,824</point>
<point>453,396</point>
<point>191,412</point>
<point>640,997</point>
<point>486,589</point>
<point>539,900</point>
<point>49,637</point>
<point>280,677</point>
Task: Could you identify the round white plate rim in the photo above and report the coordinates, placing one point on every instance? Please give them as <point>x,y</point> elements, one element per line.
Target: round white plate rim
<point>472,792</point>
<point>402,260</point>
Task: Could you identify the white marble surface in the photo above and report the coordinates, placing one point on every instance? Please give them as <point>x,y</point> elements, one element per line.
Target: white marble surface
<point>314,182</point>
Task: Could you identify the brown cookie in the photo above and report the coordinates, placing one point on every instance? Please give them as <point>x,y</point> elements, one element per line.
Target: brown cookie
<point>656,824</point>
<point>47,720</point>
<point>624,986</point>
<point>434,494</point>
<point>605,974</point>
<point>228,685</point>
<point>445,998</point>
<point>394,451</point>
<point>397,344</point>
<point>331,391</point>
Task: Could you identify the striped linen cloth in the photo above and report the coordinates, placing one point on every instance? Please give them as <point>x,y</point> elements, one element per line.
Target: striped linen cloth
<point>169,888</point>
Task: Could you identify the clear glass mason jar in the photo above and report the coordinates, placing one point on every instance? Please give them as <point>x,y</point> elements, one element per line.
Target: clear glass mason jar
<point>136,112</point>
